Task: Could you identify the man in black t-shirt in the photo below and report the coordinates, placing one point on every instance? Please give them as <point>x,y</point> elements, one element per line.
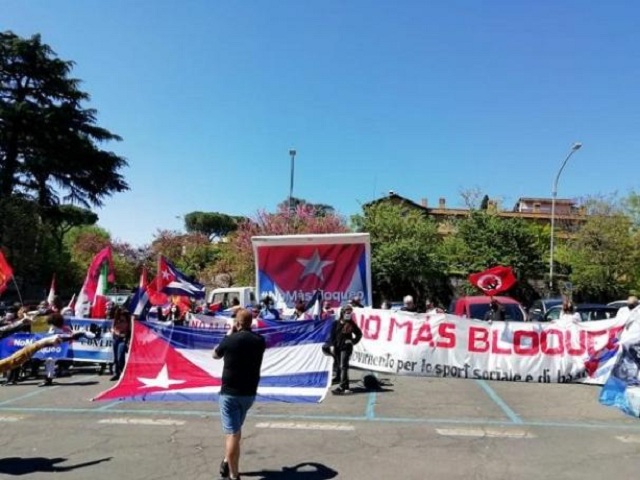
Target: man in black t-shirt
<point>242,351</point>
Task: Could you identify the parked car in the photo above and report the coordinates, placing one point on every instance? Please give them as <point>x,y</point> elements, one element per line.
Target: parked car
<point>589,312</point>
<point>540,307</point>
<point>396,306</point>
<point>618,304</point>
<point>477,306</point>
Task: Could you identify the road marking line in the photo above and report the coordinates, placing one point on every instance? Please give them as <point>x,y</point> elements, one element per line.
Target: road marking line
<point>513,416</point>
<point>484,433</point>
<point>40,391</point>
<point>628,438</point>
<point>10,419</point>
<point>306,426</point>
<point>142,421</point>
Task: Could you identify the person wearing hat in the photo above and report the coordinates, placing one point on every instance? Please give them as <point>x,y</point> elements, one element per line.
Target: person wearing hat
<point>345,333</point>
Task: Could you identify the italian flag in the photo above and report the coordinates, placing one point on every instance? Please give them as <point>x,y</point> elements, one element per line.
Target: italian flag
<point>99,307</point>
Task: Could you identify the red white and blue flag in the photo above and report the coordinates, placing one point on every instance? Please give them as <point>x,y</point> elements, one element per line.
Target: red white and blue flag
<point>622,388</point>
<point>172,281</point>
<point>140,304</point>
<point>291,268</point>
<point>175,364</point>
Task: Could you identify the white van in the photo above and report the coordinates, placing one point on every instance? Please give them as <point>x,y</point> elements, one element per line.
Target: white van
<point>224,296</point>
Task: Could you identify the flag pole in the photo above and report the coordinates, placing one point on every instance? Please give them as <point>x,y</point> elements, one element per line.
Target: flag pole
<point>158,274</point>
<point>13,278</point>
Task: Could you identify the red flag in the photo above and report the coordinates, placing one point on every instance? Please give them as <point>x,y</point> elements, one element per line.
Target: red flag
<point>88,292</point>
<point>6,274</point>
<point>183,303</point>
<point>99,307</point>
<point>143,279</point>
<point>494,281</point>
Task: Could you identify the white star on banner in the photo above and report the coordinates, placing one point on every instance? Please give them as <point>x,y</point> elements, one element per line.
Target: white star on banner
<point>166,274</point>
<point>162,380</point>
<point>314,265</point>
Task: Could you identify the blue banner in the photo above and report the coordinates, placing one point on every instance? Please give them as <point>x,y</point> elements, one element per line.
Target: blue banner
<point>95,350</point>
<point>15,342</point>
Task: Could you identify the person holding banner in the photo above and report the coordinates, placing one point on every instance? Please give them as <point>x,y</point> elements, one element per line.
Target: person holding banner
<point>495,312</point>
<point>121,335</point>
<point>269,312</point>
<point>14,374</point>
<point>23,355</point>
<point>568,315</point>
<point>242,351</point>
<point>344,335</point>
<point>57,326</point>
<point>14,326</point>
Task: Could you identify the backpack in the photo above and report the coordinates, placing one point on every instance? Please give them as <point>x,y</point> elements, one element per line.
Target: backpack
<point>371,382</point>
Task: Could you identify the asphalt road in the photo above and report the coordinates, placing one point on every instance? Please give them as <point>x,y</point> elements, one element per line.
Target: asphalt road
<point>417,429</point>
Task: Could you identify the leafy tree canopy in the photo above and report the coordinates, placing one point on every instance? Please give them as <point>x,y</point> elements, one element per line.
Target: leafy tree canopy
<point>319,209</point>
<point>49,143</point>
<point>211,224</point>
<point>404,252</point>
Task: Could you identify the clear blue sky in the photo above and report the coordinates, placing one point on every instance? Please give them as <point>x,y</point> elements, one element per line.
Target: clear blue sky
<point>424,98</point>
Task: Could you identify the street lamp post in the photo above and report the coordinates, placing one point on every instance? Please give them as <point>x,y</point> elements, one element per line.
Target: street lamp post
<point>554,193</point>
<point>292,153</point>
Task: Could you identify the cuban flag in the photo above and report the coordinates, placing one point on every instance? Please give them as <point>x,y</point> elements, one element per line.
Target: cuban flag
<point>175,364</point>
<point>172,281</point>
<point>294,267</point>
<point>140,304</point>
<point>313,308</point>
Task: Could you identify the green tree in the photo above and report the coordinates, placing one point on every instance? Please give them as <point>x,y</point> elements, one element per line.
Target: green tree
<point>483,240</point>
<point>404,253</point>
<point>62,218</point>
<point>212,224</point>
<point>191,253</point>
<point>49,143</point>
<point>603,257</point>
<point>631,206</point>
<point>83,243</point>
<point>319,209</point>
<point>236,256</point>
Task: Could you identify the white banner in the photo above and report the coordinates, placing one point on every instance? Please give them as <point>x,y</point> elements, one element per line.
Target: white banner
<point>444,345</point>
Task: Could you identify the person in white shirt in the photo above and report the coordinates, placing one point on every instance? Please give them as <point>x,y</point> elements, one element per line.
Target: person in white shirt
<point>431,309</point>
<point>568,314</point>
<point>56,326</point>
<point>624,312</point>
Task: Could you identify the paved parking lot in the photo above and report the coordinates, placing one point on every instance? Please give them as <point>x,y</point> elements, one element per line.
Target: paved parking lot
<point>417,429</point>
